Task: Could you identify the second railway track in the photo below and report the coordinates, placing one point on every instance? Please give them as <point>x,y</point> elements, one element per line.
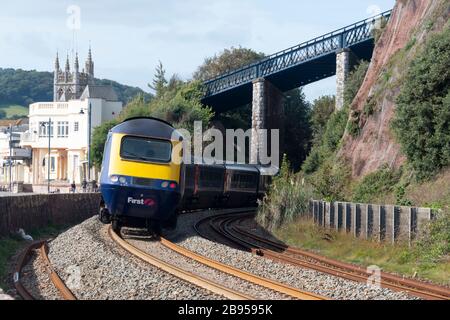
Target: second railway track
<point>228,226</point>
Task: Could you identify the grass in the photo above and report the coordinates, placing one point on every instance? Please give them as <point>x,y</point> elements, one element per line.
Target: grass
<point>397,259</point>
<point>14,110</point>
<point>12,245</point>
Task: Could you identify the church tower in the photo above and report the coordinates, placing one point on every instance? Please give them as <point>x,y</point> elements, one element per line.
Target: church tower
<point>68,85</point>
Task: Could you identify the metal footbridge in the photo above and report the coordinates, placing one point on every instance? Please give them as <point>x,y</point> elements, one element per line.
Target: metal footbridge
<point>294,67</point>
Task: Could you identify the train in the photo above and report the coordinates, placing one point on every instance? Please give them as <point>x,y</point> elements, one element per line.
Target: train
<point>143,183</point>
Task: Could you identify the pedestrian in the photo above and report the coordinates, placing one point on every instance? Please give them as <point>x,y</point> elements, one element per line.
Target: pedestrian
<point>84,185</point>
<point>73,187</point>
<point>94,186</point>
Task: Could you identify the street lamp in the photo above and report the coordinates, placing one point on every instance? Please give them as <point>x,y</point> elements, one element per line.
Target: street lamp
<point>89,110</point>
<point>49,132</point>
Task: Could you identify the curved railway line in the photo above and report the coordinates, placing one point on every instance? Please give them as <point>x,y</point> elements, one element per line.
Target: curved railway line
<point>228,226</point>
<point>42,247</point>
<point>207,284</point>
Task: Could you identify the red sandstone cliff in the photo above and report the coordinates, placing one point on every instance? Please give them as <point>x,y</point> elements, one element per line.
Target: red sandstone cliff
<point>376,145</point>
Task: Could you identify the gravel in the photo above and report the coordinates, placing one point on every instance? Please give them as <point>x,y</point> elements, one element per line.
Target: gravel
<point>36,280</point>
<point>304,279</point>
<point>242,286</point>
<point>94,267</point>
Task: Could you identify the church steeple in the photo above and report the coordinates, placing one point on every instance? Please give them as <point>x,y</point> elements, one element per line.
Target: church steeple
<point>70,81</point>
<point>76,64</point>
<point>57,62</point>
<point>67,65</point>
<point>90,64</point>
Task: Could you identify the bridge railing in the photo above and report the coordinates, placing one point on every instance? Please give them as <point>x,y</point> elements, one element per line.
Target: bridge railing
<point>325,44</point>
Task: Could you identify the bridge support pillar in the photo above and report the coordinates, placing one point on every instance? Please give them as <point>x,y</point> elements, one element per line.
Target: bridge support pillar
<point>345,59</point>
<point>267,114</point>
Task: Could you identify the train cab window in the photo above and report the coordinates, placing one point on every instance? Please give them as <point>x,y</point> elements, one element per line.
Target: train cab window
<point>145,149</point>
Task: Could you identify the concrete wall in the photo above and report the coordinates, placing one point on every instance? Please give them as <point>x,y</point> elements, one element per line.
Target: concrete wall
<point>36,211</point>
<point>369,221</point>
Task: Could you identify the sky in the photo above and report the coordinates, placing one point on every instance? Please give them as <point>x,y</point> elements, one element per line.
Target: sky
<point>128,38</point>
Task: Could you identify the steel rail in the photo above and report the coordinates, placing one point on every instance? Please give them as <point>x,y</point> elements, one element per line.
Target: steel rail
<point>20,264</point>
<point>178,272</point>
<point>54,277</point>
<point>337,268</point>
<point>417,288</point>
<point>56,280</point>
<point>260,281</point>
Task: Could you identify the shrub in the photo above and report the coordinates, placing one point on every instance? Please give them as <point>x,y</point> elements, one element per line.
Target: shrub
<point>287,199</point>
<point>332,181</point>
<point>375,184</point>
<point>422,118</point>
<point>353,128</point>
<point>354,82</point>
<point>434,241</point>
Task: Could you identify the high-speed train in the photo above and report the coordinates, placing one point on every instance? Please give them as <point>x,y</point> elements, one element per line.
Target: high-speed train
<point>141,183</point>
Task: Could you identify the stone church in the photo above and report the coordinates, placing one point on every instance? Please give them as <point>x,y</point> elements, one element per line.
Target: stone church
<point>68,85</point>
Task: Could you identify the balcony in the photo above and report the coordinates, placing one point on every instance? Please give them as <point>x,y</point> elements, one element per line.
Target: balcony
<point>17,154</point>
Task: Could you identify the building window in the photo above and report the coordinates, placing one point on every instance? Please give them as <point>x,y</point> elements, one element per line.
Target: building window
<point>63,129</point>
<point>76,126</point>
<point>43,129</point>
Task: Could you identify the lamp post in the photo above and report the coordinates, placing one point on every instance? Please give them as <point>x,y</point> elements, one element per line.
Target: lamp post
<point>89,111</point>
<point>10,158</point>
<point>49,132</point>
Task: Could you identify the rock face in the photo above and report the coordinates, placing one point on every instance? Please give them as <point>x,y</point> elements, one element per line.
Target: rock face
<point>376,145</point>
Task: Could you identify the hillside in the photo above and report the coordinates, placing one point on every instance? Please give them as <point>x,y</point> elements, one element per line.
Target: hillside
<point>412,25</point>
<point>20,87</point>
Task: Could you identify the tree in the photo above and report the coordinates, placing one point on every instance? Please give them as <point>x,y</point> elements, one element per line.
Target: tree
<point>322,109</point>
<point>297,138</point>
<point>159,82</point>
<point>19,87</point>
<point>227,60</point>
<point>2,114</point>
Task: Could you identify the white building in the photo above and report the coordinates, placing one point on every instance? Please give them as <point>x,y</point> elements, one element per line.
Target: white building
<point>14,160</point>
<point>68,135</point>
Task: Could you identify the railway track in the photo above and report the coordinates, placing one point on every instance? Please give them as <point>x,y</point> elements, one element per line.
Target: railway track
<point>59,284</point>
<point>205,283</point>
<point>228,226</point>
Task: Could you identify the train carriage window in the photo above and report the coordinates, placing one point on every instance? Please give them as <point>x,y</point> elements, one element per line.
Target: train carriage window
<point>145,149</point>
<point>243,181</point>
<point>211,178</point>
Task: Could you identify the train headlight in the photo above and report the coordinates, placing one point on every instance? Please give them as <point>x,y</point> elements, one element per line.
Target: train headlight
<point>114,179</point>
<point>165,184</point>
<point>123,180</point>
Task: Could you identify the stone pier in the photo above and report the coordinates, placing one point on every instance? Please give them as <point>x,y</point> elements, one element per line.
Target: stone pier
<point>345,60</point>
<point>267,113</point>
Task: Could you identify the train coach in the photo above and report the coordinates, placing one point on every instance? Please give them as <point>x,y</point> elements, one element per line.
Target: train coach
<point>141,182</point>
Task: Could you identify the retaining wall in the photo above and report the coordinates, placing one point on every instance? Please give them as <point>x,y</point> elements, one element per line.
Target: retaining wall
<point>30,212</point>
<point>369,221</point>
